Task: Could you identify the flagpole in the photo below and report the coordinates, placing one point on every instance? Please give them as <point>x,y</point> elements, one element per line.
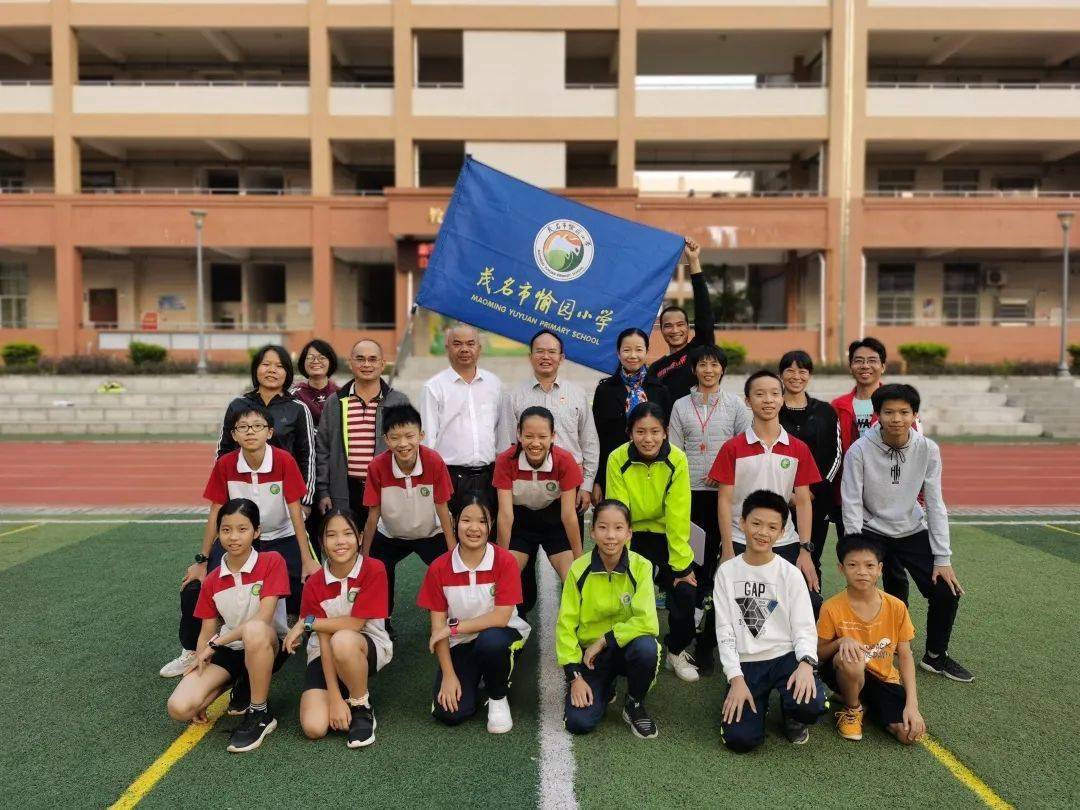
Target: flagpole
<point>403,346</point>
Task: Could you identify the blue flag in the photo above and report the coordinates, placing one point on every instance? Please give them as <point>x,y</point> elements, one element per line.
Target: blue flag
<point>513,259</point>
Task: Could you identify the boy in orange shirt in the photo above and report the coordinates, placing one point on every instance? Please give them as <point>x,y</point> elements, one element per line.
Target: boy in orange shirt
<point>859,631</point>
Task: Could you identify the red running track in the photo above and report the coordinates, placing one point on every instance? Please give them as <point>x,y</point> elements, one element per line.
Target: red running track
<point>174,474</point>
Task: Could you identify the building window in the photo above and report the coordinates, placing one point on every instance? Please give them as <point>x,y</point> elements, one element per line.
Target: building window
<point>14,293</point>
<point>375,306</point>
<point>93,181</point>
<point>896,179</point>
<point>960,304</point>
<point>959,180</point>
<point>1017,184</point>
<point>11,180</point>
<point>1014,311</point>
<point>896,294</point>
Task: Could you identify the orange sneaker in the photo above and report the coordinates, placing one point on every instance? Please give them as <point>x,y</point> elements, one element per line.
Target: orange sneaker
<point>849,723</point>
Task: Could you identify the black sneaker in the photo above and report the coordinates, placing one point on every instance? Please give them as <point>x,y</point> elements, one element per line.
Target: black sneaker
<point>797,733</point>
<point>251,731</point>
<point>638,719</point>
<point>706,662</point>
<point>239,697</point>
<point>943,665</point>
<point>361,727</point>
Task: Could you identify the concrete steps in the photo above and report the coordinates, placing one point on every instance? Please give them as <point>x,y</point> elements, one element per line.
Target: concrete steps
<point>1051,402</point>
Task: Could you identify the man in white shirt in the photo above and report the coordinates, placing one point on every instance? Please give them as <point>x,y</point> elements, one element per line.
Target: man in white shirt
<point>460,411</point>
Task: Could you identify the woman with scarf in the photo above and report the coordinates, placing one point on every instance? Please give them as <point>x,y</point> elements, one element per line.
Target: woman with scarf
<point>617,395</point>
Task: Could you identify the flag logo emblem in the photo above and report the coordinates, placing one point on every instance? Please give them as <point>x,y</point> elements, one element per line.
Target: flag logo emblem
<point>563,250</point>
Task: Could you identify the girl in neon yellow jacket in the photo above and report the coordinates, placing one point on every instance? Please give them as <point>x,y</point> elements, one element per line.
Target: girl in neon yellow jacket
<point>607,627</point>
<point>652,478</point>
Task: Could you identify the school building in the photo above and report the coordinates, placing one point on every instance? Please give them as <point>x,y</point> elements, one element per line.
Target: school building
<point>892,167</point>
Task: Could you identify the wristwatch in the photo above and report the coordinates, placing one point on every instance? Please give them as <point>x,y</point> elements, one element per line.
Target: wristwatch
<point>806,659</point>
<point>453,625</point>
<point>808,546</point>
<point>212,643</point>
<point>201,558</point>
<point>309,622</point>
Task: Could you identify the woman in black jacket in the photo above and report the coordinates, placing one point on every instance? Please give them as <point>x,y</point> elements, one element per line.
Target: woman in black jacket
<point>814,421</point>
<point>294,432</point>
<point>617,395</point>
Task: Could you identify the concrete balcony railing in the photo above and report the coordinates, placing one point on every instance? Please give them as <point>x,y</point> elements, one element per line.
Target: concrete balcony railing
<point>191,98</point>
<point>585,101</point>
<point>25,96</point>
<point>679,100</point>
<point>989,194</point>
<point>974,100</point>
<point>362,99</point>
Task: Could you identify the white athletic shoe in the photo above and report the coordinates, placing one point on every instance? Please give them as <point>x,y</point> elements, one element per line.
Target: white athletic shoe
<point>179,665</point>
<point>683,665</point>
<point>499,719</point>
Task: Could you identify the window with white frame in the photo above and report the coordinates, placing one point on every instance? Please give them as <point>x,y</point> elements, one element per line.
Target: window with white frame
<point>896,180</point>
<point>957,180</point>
<point>960,302</point>
<point>896,294</point>
<point>14,294</point>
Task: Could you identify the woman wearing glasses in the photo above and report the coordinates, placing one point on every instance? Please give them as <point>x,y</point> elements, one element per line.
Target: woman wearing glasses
<point>294,429</point>
<point>318,363</point>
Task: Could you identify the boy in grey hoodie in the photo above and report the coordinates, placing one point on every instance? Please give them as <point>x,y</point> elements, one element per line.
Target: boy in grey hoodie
<point>884,473</point>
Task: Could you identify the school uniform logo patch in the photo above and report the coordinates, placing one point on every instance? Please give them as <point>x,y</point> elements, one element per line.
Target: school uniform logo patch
<point>275,489</point>
<point>552,486</point>
<point>625,599</point>
<point>425,491</point>
<point>352,594</point>
<point>491,590</point>
<point>785,463</point>
<point>256,589</point>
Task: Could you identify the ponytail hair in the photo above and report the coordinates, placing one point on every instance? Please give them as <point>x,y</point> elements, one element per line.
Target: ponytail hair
<point>239,506</point>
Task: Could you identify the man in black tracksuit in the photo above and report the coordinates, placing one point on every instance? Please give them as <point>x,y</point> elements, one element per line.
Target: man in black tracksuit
<point>674,370</point>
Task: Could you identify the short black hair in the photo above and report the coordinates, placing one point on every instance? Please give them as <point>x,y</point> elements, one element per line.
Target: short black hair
<point>797,358</point>
<point>901,391</point>
<point>249,407</point>
<point>323,348</point>
<point>532,340</point>
<point>239,506</point>
<point>699,353</point>
<point>283,357</point>
<point>866,343</point>
<point>859,542</point>
<point>398,415</point>
<point>673,308</point>
<point>766,499</point>
<point>757,375</point>
<point>633,330</point>
<point>643,410</point>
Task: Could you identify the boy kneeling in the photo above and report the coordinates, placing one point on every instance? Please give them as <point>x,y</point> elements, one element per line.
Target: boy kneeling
<point>859,632</point>
<point>765,633</point>
<point>607,627</point>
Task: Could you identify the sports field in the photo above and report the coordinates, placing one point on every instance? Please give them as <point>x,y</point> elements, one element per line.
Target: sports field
<point>90,614</point>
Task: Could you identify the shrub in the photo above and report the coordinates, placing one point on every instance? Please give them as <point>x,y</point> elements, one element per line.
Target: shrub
<point>1074,355</point>
<point>21,354</point>
<point>141,353</point>
<point>736,353</point>
<point>923,357</point>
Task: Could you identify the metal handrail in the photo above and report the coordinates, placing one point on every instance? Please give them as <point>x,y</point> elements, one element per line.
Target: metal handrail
<point>591,85</point>
<point>988,320</point>
<point>25,82</point>
<point>440,85</point>
<point>248,192</point>
<point>190,83</point>
<point>28,190</point>
<point>183,326</point>
<point>705,195</point>
<point>369,85</point>
<point>981,194</point>
<point>707,85</point>
<point>975,85</point>
<point>359,192</point>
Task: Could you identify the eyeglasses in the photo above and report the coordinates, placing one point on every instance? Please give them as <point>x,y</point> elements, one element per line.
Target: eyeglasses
<point>365,361</point>
<point>259,428</point>
<point>316,358</point>
<point>865,361</point>
<point>547,352</point>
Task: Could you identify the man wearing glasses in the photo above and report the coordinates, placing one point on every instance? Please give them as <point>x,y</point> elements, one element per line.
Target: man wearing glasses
<point>350,432</point>
<point>459,407</point>
<point>866,359</point>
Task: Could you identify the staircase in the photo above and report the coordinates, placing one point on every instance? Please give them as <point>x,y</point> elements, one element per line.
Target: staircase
<point>193,406</point>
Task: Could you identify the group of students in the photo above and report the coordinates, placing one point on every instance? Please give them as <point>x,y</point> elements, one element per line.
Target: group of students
<point>478,481</point>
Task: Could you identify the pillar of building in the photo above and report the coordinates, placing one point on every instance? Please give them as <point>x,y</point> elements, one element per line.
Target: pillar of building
<point>404,171</point>
<point>626,148</point>
<point>65,75</point>
<point>69,283</point>
<point>322,271</point>
<point>319,80</point>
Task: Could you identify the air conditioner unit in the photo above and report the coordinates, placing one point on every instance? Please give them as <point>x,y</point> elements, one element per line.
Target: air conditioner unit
<point>995,277</point>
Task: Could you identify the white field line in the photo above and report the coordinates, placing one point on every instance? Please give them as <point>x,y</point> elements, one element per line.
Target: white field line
<point>557,764</point>
<point>1043,522</point>
<point>101,521</point>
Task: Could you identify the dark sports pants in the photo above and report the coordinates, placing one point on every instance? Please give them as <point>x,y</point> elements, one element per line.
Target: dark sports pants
<point>823,507</point>
<point>762,677</point>
<point>703,513</point>
<point>638,662</point>
<point>488,658</point>
<point>680,598</point>
<point>912,555</point>
<point>473,482</point>
<point>391,551</point>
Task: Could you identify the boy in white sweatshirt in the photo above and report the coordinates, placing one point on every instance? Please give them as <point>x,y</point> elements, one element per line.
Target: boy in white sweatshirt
<point>765,633</point>
<point>884,473</point>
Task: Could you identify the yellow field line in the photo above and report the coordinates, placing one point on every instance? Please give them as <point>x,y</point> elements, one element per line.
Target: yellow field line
<point>964,774</point>
<point>1049,526</point>
<point>20,529</point>
<point>183,744</point>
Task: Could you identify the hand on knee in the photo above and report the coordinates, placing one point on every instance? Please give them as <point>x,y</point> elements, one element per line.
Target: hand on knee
<point>314,728</point>
<point>580,723</point>
<point>181,709</point>
<point>849,670</point>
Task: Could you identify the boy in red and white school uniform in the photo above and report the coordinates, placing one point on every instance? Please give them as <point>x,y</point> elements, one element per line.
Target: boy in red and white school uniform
<point>766,457</point>
<point>407,497</point>
<point>472,593</point>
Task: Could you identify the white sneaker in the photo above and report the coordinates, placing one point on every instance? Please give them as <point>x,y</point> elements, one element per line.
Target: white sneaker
<point>683,665</point>
<point>499,719</point>
<point>179,665</point>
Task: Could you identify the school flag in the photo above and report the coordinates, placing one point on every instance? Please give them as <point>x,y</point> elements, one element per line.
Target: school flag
<point>513,259</point>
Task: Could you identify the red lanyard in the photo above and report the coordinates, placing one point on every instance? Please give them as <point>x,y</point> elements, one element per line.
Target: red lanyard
<point>705,422</point>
